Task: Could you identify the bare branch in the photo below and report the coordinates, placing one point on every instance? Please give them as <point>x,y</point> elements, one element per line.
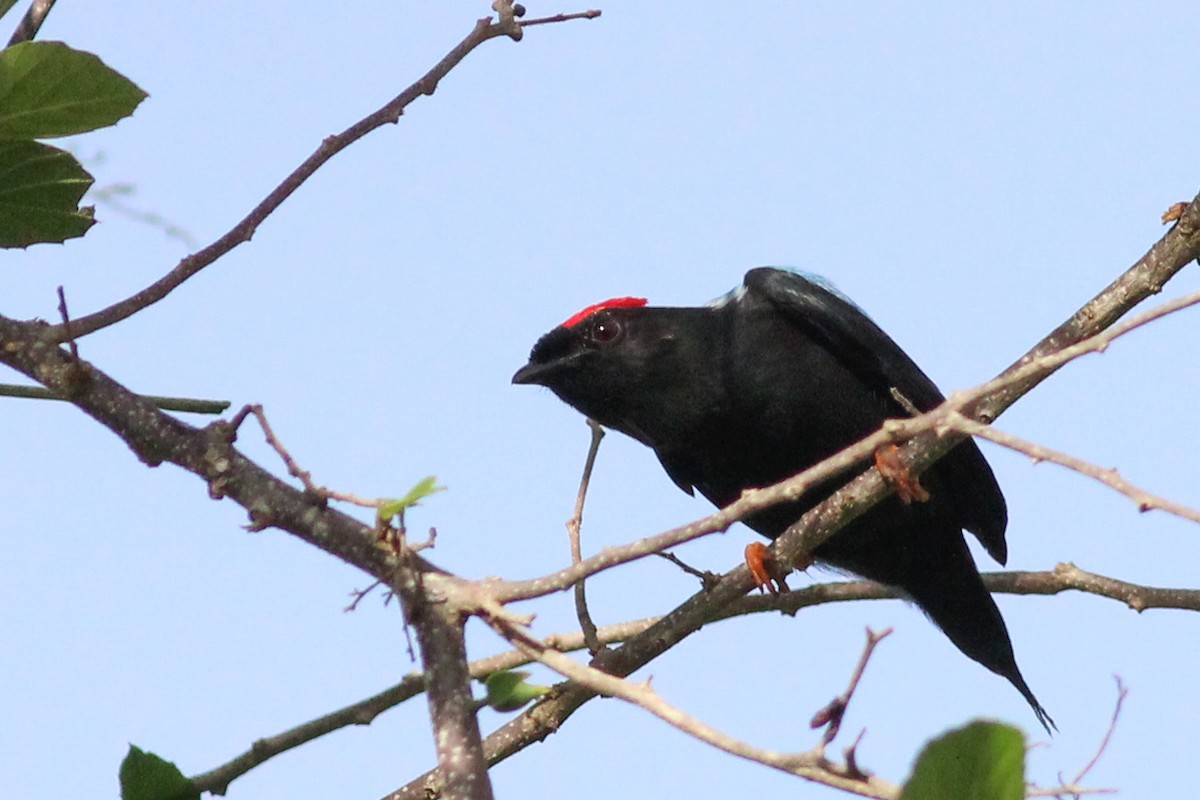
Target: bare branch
<point>1145,501</point>
<point>574,525</point>
<point>590,14</point>
<point>831,715</point>
<point>186,404</point>
<point>31,23</point>
<point>812,765</point>
<point>293,467</point>
<point>484,30</point>
<point>439,623</point>
<point>365,711</point>
<point>707,578</point>
<point>1122,693</point>
<point>1073,788</point>
<point>660,635</point>
<point>1064,577</point>
<point>1067,577</point>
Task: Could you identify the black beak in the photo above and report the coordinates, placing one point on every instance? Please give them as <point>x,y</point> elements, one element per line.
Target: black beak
<point>530,373</point>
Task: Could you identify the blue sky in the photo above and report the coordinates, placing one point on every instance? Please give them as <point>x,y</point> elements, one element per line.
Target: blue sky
<point>970,174</point>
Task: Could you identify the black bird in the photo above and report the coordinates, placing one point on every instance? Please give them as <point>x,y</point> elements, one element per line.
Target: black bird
<point>767,381</point>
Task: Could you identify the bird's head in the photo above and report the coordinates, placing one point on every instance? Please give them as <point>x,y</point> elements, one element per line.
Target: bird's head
<point>613,362</point>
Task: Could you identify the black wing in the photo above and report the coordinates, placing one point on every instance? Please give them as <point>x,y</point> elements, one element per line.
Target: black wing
<point>861,346</point>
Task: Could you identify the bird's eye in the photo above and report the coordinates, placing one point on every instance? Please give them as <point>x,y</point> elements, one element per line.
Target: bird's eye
<point>605,331</point>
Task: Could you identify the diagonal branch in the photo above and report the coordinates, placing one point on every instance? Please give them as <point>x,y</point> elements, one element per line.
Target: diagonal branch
<point>811,765</point>
<point>545,718</point>
<point>1064,577</point>
<point>1144,500</point>
<point>484,30</point>
<point>31,23</point>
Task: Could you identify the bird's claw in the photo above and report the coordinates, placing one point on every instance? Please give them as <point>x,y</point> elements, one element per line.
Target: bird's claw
<point>767,570</point>
<point>891,465</point>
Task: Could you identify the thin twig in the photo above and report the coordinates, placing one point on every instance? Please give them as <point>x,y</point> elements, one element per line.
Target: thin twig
<point>1073,788</point>
<point>365,711</point>
<point>294,469</point>
<point>574,524</point>
<point>811,765</point>
<point>31,23</point>
<point>293,466</point>
<point>1122,693</point>
<point>187,404</point>
<point>1144,500</point>
<point>483,30</point>
<point>1067,790</point>
<point>707,577</point>
<point>108,196</point>
<point>590,14</point>
<point>831,715</point>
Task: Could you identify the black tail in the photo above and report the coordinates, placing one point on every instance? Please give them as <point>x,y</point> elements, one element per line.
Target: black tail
<point>949,589</point>
<point>930,562</point>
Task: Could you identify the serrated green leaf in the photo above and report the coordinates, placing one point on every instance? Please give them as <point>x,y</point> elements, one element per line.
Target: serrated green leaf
<point>415,495</point>
<point>47,90</point>
<point>40,189</point>
<point>983,761</point>
<point>508,691</point>
<point>145,776</point>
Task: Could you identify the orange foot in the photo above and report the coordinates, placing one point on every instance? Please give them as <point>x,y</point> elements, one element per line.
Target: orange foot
<point>891,466</point>
<point>767,571</point>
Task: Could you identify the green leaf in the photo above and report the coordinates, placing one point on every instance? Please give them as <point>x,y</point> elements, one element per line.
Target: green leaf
<point>426,487</point>
<point>40,189</point>
<point>47,89</point>
<point>145,776</point>
<point>983,761</point>
<point>508,691</point>
<point>5,5</point>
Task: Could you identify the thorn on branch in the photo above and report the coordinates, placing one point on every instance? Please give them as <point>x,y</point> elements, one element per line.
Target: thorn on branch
<point>66,323</point>
<point>851,755</point>
<point>259,521</point>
